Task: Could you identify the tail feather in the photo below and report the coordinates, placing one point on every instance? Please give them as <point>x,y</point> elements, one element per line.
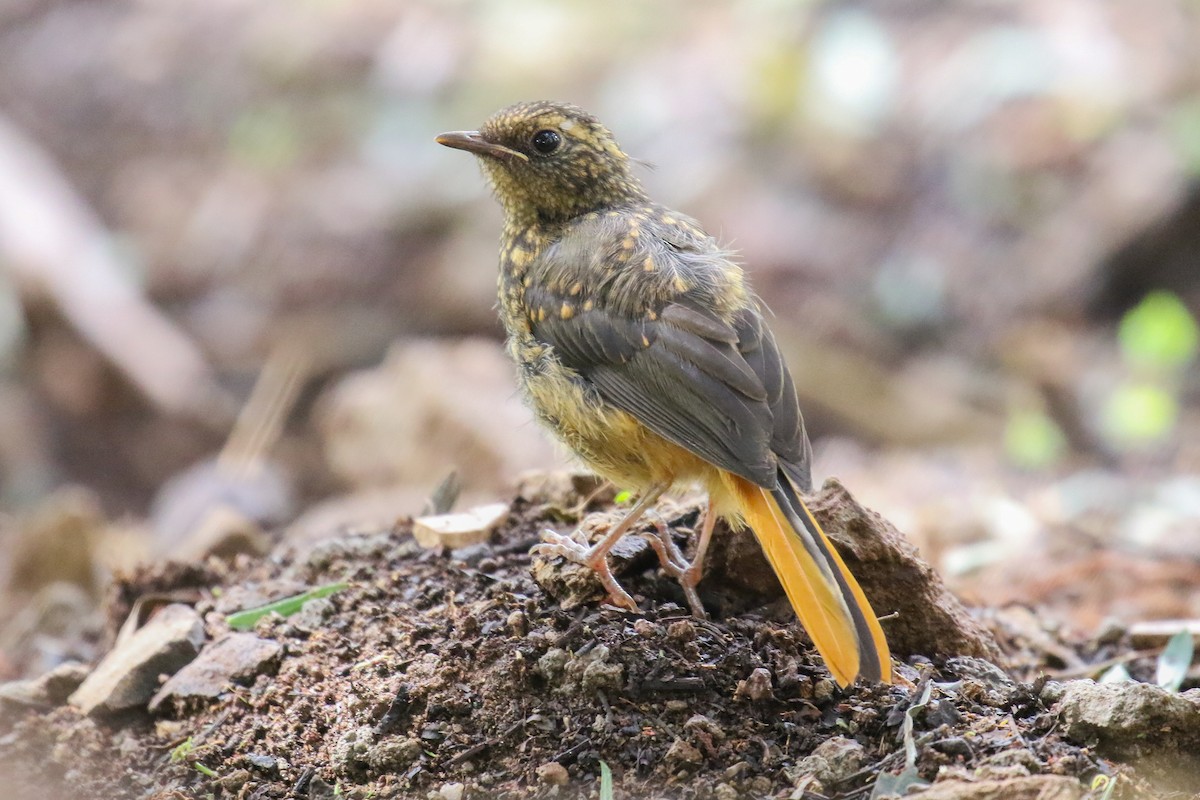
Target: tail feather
<point>827,599</point>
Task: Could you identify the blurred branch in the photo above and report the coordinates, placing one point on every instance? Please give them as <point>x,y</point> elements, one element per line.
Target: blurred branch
<point>54,245</point>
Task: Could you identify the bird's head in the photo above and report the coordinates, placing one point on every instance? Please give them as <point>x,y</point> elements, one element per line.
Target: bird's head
<point>549,161</point>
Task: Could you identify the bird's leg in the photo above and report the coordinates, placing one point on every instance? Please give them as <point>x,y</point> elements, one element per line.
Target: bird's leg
<point>596,556</point>
<point>677,566</point>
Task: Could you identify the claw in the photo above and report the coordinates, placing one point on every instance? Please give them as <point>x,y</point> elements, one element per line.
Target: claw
<point>594,557</point>
<point>678,567</point>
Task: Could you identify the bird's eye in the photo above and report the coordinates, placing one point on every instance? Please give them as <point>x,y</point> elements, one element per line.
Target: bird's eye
<point>546,142</point>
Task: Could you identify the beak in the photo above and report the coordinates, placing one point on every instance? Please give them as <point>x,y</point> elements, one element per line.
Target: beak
<point>473,142</point>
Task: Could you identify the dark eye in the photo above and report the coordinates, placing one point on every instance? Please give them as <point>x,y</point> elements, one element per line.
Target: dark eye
<point>546,142</point>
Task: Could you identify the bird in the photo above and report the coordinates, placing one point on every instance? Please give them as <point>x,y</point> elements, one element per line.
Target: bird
<point>640,344</point>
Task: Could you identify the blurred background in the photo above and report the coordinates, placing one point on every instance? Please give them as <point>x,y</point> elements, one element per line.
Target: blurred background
<point>245,297</point>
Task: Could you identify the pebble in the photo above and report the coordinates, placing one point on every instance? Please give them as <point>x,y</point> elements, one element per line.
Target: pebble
<point>51,689</point>
<point>832,760</point>
<point>645,628</point>
<point>757,687</point>
<point>1125,719</point>
<point>681,752</point>
<point>235,658</point>
<point>553,773</point>
<point>128,676</point>
<point>681,631</point>
<point>460,529</point>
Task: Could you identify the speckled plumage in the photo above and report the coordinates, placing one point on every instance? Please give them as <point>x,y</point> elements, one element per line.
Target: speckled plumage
<point>641,346</point>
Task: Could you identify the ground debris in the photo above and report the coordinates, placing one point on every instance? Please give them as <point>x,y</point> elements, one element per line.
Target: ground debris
<point>438,673</point>
<point>1039,787</point>
<point>233,659</point>
<point>127,677</point>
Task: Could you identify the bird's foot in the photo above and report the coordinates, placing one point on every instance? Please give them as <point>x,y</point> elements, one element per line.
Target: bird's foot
<point>677,566</point>
<point>593,557</point>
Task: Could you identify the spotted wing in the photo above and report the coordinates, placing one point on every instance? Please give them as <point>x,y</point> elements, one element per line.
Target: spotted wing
<point>718,388</point>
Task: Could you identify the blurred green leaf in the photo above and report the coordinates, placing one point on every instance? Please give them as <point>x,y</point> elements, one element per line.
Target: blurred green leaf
<point>1184,124</point>
<point>606,782</point>
<point>623,498</point>
<point>1116,674</point>
<point>1103,787</point>
<point>244,620</point>
<point>266,138</point>
<point>182,750</point>
<point>1032,440</point>
<point>1174,661</point>
<point>1139,413</point>
<point>1159,332</point>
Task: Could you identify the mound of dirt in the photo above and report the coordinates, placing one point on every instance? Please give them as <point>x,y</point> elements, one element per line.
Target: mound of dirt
<point>454,675</point>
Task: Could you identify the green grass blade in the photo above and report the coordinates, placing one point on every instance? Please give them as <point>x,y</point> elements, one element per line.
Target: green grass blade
<point>245,620</point>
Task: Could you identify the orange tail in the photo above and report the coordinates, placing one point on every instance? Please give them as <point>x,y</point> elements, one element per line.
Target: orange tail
<point>827,599</point>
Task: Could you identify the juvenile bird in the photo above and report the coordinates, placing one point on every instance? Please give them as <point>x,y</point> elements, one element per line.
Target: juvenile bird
<point>641,346</point>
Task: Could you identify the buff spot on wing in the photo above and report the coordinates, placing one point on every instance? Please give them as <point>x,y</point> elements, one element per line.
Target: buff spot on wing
<point>520,257</point>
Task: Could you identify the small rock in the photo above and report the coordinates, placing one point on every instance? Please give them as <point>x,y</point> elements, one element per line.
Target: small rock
<point>451,791</point>
<point>723,791</point>
<point>757,687</point>
<point>681,631</point>
<point>318,789</point>
<point>349,752</point>
<point>644,628</point>
<point>235,780</point>
<point>1037,787</point>
<point>459,529</point>
<point>682,753</point>
<point>832,760</point>
<point>128,676</point>
<point>394,755</point>
<point>518,623</point>
<point>1128,720</point>
<point>553,664</point>
<point>698,723</point>
<point>553,773</point>
<point>599,673</point>
<point>50,689</point>
<point>1052,692</point>
<point>263,763</point>
<point>235,658</point>
<point>823,689</point>
<point>588,673</point>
